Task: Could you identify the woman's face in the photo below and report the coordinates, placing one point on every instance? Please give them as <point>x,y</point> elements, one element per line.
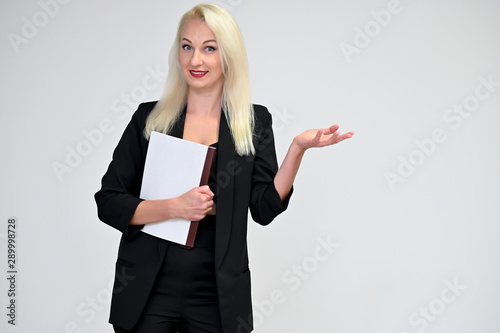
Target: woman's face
<point>199,57</point>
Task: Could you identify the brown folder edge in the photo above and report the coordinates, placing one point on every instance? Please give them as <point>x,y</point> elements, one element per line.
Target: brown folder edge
<point>204,181</point>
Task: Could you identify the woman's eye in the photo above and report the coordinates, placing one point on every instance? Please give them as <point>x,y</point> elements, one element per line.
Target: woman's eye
<point>210,49</point>
<point>186,47</point>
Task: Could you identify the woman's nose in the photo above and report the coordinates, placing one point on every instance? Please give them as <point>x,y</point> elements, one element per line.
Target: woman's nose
<point>196,59</point>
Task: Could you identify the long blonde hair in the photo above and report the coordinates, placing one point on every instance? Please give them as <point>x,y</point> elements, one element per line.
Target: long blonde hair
<point>236,101</point>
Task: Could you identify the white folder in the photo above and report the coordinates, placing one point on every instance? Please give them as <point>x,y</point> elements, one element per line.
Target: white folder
<point>173,167</point>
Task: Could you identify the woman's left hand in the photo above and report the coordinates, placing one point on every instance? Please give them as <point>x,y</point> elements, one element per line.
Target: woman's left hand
<point>320,137</point>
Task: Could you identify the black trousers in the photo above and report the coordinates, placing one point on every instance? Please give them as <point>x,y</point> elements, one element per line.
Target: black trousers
<point>184,297</point>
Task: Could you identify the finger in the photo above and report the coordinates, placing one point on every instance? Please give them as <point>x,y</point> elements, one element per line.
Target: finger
<point>318,135</point>
<point>206,199</point>
<point>205,189</point>
<point>332,129</point>
<point>345,136</point>
<point>332,139</point>
<point>349,135</point>
<point>209,207</point>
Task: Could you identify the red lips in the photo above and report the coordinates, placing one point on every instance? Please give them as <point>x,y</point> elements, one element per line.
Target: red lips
<point>198,74</point>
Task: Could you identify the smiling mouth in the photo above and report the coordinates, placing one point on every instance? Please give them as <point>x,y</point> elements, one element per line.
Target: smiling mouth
<point>198,74</point>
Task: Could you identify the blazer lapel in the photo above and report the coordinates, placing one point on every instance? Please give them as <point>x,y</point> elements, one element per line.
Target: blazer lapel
<point>225,187</point>
<point>178,127</point>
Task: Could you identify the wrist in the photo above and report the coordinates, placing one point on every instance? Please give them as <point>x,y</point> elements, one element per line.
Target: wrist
<point>296,148</point>
<point>169,207</point>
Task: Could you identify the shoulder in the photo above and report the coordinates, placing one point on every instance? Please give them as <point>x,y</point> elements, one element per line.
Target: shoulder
<point>144,109</point>
<point>261,112</point>
<point>262,115</point>
<point>142,113</point>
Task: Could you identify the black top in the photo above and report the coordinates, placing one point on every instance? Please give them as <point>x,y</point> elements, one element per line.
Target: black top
<point>205,235</point>
<point>212,179</point>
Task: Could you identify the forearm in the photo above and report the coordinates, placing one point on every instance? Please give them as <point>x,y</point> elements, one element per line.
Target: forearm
<point>285,176</point>
<point>193,205</point>
<point>151,211</point>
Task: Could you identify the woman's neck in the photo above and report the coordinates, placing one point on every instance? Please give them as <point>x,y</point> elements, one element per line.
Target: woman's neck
<point>205,103</point>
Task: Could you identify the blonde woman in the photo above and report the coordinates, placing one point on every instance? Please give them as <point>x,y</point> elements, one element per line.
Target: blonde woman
<point>164,287</point>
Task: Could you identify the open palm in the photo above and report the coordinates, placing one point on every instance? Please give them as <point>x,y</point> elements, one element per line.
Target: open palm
<point>321,137</point>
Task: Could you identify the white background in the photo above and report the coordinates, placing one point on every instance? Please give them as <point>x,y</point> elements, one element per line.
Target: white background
<point>398,247</point>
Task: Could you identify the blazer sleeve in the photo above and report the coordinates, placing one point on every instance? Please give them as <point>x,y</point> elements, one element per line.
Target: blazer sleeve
<point>265,202</point>
<point>118,197</point>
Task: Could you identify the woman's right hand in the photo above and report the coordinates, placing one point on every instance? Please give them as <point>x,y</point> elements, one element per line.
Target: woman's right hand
<point>195,204</point>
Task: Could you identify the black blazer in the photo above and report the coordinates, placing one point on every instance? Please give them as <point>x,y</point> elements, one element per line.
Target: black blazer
<point>242,182</point>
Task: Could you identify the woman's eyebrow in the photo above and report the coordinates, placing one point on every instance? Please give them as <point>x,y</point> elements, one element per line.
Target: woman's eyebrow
<point>207,41</point>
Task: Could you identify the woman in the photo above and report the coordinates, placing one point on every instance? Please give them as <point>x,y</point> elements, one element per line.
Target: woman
<point>161,286</point>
